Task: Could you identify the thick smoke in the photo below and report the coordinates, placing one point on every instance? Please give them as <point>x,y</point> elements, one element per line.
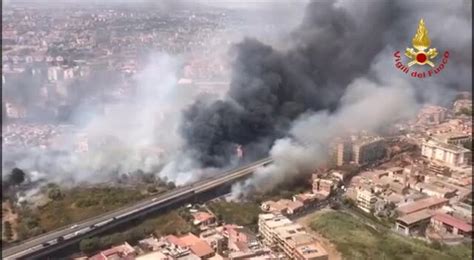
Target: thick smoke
<point>336,72</point>
<point>139,132</point>
<point>271,88</point>
<point>365,106</point>
<point>337,75</point>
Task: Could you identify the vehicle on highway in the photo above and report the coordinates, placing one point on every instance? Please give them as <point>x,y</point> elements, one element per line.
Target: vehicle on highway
<point>104,222</point>
<point>154,199</point>
<point>45,244</point>
<point>92,226</point>
<point>73,226</point>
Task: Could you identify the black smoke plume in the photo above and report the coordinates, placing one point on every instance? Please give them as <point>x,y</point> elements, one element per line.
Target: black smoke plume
<point>270,87</point>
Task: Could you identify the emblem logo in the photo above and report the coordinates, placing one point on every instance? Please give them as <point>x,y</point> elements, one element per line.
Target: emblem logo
<point>421,42</point>
<point>421,54</point>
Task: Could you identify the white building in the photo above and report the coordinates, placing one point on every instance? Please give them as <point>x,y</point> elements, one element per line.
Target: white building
<point>267,223</point>
<point>366,200</point>
<point>449,154</point>
<point>281,233</point>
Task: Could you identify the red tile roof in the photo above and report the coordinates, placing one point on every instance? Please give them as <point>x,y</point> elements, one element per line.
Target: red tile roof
<point>202,216</point>
<point>421,205</point>
<point>198,246</point>
<point>453,221</point>
<point>175,240</point>
<point>123,250</point>
<point>201,249</point>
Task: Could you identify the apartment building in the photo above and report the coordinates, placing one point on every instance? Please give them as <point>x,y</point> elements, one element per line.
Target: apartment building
<point>448,154</point>
<point>322,186</point>
<point>281,234</point>
<point>456,138</point>
<point>432,114</point>
<point>341,151</point>
<point>368,150</point>
<point>366,200</point>
<point>267,223</point>
<point>284,236</point>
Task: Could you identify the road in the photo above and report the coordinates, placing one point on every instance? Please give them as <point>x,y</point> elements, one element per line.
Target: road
<point>34,244</point>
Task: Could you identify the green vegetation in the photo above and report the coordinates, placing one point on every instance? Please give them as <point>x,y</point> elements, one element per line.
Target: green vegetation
<point>164,224</point>
<point>245,214</point>
<point>464,111</point>
<point>8,230</point>
<point>89,245</point>
<point>284,190</point>
<point>66,206</point>
<point>69,206</point>
<point>54,193</point>
<point>29,224</point>
<point>355,240</point>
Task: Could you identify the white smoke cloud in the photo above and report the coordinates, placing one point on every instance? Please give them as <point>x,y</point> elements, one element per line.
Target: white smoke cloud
<point>139,132</point>
<point>366,106</point>
<point>383,97</point>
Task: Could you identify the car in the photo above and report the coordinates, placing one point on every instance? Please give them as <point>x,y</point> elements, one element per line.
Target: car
<point>60,239</point>
<point>73,226</point>
<point>154,199</point>
<point>45,244</point>
<point>92,226</point>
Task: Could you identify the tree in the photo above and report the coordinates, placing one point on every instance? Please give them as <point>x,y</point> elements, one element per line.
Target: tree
<point>89,245</point>
<point>17,176</point>
<point>31,222</point>
<point>349,202</point>
<point>171,185</point>
<point>391,206</point>
<point>55,194</point>
<point>8,230</point>
<point>151,189</point>
<point>436,245</point>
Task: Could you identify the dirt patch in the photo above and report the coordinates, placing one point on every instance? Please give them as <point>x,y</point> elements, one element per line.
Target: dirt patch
<point>330,248</point>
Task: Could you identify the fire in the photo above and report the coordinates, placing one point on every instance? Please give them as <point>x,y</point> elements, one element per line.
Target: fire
<point>421,40</point>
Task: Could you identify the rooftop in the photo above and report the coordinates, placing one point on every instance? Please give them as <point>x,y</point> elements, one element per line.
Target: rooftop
<point>421,204</point>
<point>436,188</point>
<point>415,217</point>
<point>153,256</point>
<point>202,216</point>
<point>197,245</point>
<point>277,222</point>
<point>117,252</point>
<point>448,135</point>
<point>311,251</point>
<point>367,140</point>
<point>289,230</point>
<point>445,146</point>
<point>301,239</point>
<point>453,221</point>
